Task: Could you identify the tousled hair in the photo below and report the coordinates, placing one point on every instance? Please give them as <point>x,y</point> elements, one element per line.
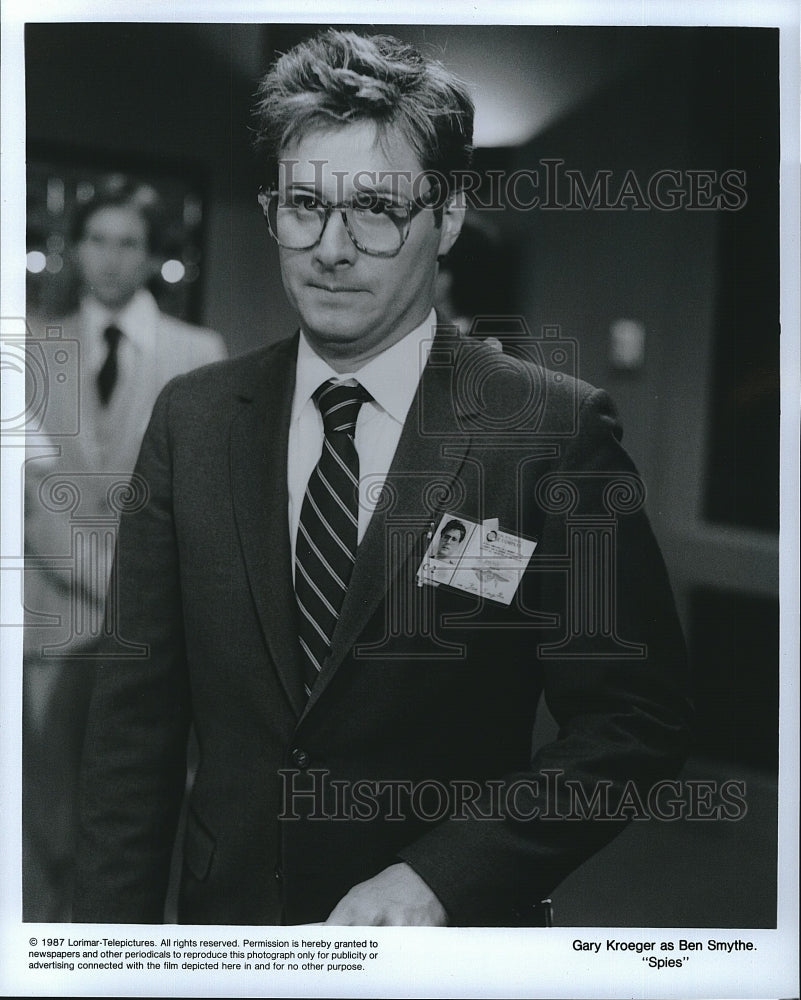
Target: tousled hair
<point>454,525</point>
<point>339,78</point>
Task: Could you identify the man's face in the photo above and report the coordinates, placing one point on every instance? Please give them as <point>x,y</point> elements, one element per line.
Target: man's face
<point>113,257</point>
<point>353,305</point>
<point>449,542</point>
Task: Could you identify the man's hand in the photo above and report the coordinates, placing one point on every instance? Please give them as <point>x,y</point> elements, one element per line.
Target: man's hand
<point>396,897</point>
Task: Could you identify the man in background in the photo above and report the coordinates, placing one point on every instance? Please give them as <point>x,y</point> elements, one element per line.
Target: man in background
<point>126,350</point>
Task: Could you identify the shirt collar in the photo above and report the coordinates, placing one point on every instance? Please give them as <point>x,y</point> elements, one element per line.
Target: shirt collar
<point>137,318</point>
<point>391,377</point>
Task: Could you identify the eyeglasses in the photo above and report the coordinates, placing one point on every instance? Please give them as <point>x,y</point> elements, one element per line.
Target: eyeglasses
<point>375,224</point>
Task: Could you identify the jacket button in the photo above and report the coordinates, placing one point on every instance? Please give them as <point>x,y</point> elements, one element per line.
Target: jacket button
<point>300,758</point>
<point>277,873</point>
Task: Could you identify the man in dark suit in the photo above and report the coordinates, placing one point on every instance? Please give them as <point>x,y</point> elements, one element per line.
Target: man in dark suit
<point>365,734</point>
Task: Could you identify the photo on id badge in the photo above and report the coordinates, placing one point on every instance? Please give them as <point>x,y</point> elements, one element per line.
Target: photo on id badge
<point>477,558</point>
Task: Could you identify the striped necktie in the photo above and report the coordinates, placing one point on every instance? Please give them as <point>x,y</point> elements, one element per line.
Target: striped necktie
<point>328,529</point>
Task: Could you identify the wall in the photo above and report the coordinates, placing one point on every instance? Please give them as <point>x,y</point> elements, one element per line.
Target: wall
<point>703,408</point>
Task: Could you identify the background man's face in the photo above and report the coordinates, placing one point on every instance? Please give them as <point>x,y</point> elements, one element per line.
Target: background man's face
<point>352,305</point>
<point>449,542</point>
<point>113,257</point>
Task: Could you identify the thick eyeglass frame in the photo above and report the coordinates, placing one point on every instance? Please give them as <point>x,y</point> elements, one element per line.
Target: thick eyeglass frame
<point>267,196</point>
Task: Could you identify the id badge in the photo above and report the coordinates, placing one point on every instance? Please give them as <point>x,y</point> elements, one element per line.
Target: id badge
<point>477,558</point>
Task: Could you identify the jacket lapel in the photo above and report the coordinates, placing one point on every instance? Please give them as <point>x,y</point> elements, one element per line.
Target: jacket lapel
<point>435,407</point>
<point>259,435</point>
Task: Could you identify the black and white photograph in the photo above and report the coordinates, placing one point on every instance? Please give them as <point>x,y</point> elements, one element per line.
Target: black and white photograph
<point>400,500</point>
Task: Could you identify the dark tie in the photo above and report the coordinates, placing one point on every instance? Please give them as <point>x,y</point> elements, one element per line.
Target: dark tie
<point>107,376</point>
<point>328,529</point>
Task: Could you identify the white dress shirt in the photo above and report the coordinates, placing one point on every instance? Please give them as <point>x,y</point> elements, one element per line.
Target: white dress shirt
<point>138,321</point>
<point>391,378</point>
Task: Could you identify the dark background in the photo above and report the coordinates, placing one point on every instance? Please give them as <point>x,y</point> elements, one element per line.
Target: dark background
<point>700,413</point>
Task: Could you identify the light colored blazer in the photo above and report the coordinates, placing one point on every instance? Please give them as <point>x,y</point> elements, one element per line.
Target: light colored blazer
<point>80,457</point>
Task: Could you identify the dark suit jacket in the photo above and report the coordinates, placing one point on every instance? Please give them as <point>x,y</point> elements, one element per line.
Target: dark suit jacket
<point>426,689</point>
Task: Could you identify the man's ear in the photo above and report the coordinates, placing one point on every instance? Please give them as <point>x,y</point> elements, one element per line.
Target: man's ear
<point>453,212</point>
